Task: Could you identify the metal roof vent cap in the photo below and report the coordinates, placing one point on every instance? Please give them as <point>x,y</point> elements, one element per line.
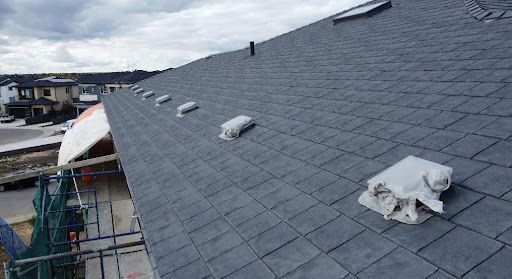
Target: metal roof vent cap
<point>232,128</point>
<point>135,87</point>
<point>130,86</point>
<point>186,108</point>
<point>395,191</point>
<point>162,99</point>
<point>138,91</point>
<point>147,95</point>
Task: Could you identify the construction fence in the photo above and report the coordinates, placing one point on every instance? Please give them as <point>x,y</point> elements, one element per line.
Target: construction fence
<point>51,217</point>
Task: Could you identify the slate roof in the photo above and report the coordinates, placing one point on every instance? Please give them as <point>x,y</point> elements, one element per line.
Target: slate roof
<point>114,77</point>
<point>333,105</point>
<point>489,10</point>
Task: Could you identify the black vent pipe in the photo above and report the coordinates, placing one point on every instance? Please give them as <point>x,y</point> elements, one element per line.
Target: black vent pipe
<point>252,48</point>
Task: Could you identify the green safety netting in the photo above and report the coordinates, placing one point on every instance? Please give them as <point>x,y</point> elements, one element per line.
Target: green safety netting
<point>43,238</point>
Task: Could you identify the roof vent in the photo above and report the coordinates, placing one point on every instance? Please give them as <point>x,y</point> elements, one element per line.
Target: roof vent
<point>186,108</point>
<point>136,86</point>
<point>131,86</point>
<point>162,99</point>
<point>395,195</point>
<point>138,91</point>
<point>232,128</point>
<point>364,11</point>
<point>251,45</point>
<point>147,94</point>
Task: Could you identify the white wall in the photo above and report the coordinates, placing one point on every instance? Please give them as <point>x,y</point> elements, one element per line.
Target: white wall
<point>5,93</point>
<point>88,97</point>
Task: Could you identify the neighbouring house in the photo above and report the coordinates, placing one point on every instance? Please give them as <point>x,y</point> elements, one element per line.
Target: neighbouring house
<point>42,96</point>
<point>8,92</point>
<point>92,85</point>
<point>333,103</point>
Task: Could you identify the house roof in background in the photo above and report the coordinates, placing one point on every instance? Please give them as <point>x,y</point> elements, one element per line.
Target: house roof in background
<point>114,77</point>
<point>6,79</point>
<point>333,106</point>
<point>45,83</point>
<point>41,101</point>
<point>29,80</point>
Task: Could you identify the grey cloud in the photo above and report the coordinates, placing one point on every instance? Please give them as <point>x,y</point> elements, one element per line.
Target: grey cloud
<point>5,11</point>
<point>80,19</point>
<point>61,55</point>
<point>109,35</point>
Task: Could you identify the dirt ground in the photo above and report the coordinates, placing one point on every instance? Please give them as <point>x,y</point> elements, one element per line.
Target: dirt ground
<point>24,230</point>
<point>41,159</point>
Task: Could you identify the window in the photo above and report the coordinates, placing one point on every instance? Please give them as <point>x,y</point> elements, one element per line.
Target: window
<point>12,99</point>
<point>112,89</point>
<point>27,93</point>
<point>47,92</point>
<point>103,90</point>
<point>68,90</point>
<point>11,88</point>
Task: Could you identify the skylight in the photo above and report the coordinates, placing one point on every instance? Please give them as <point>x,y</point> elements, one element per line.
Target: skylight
<point>365,11</point>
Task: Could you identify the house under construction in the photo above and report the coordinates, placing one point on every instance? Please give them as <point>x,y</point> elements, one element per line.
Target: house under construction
<point>86,227</point>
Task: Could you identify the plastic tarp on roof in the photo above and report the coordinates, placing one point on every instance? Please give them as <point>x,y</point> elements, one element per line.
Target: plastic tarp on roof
<point>88,129</point>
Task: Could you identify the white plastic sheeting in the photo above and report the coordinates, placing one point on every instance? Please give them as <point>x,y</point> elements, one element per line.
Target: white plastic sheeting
<point>395,191</point>
<point>84,134</point>
<point>232,128</point>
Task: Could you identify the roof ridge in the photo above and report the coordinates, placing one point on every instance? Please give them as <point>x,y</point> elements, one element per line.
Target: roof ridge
<point>482,12</point>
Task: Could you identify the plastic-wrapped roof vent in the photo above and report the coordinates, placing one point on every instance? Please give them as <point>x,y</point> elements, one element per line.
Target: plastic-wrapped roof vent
<point>395,191</point>
<point>186,108</point>
<point>162,99</point>
<point>135,87</point>
<point>232,128</point>
<point>147,95</point>
<point>138,91</point>
<point>364,11</point>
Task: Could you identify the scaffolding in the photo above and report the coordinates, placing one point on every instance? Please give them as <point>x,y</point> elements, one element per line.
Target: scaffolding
<point>56,246</point>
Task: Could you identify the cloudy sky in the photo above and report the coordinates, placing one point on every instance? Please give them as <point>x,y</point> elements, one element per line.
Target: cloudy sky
<point>115,35</point>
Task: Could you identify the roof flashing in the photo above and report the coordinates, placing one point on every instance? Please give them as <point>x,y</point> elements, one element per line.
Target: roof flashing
<point>364,11</point>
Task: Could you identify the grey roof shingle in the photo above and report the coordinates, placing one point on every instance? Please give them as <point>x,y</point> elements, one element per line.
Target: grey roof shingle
<point>333,105</point>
